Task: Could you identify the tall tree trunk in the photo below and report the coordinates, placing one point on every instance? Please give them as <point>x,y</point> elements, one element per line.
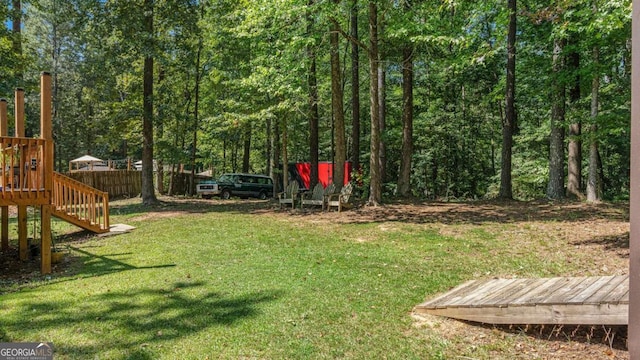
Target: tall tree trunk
<point>594,180</point>
<point>285,155</point>
<point>196,123</point>
<point>160,134</point>
<point>16,20</point>
<point>555,187</point>
<point>274,139</point>
<point>148,192</point>
<point>246,148</point>
<point>404,180</point>
<point>355,90</point>
<point>268,131</point>
<point>375,186</point>
<point>574,156</point>
<point>509,123</point>
<point>314,117</point>
<point>337,105</point>
<point>382,98</point>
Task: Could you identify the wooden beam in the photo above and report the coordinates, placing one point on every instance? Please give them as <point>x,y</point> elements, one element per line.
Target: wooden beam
<point>19,112</point>
<point>22,209</point>
<point>605,314</point>
<point>633,340</point>
<point>46,129</point>
<point>45,239</point>
<point>4,210</point>
<point>4,129</point>
<point>22,233</point>
<point>46,133</point>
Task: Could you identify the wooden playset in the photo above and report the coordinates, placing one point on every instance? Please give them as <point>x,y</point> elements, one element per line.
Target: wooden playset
<point>27,179</point>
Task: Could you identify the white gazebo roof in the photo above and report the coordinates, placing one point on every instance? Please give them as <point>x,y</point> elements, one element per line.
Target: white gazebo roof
<point>86,158</point>
<point>87,162</point>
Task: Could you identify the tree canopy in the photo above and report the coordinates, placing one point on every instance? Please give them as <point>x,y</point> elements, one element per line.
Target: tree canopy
<point>252,85</point>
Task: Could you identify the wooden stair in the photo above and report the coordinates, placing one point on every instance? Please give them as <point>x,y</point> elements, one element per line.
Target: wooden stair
<point>80,204</point>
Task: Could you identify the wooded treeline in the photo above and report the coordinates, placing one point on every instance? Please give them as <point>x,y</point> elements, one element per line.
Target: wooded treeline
<point>431,99</point>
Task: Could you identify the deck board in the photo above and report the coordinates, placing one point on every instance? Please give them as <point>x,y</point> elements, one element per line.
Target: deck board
<point>563,300</point>
<point>516,286</point>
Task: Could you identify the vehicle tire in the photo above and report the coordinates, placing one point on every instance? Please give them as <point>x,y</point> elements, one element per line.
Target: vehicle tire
<point>262,195</point>
<point>226,194</point>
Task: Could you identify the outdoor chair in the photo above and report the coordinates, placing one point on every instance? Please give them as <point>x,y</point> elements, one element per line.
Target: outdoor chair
<point>340,200</point>
<point>318,197</point>
<point>288,196</point>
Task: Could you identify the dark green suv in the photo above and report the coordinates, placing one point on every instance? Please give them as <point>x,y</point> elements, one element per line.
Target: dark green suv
<point>245,185</point>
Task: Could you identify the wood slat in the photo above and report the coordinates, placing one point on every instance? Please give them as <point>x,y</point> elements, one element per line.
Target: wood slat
<point>457,291</point>
<point>591,289</point>
<point>532,285</point>
<point>536,293</point>
<point>537,301</point>
<point>615,296</point>
<point>479,293</point>
<point>599,296</point>
<point>551,314</point>
<point>569,290</point>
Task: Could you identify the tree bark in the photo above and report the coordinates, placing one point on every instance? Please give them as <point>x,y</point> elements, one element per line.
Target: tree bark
<point>314,116</point>
<point>274,139</point>
<point>285,155</point>
<point>160,134</point>
<point>148,191</point>
<point>196,123</point>
<point>555,186</point>
<point>594,179</point>
<point>16,20</point>
<point>246,154</point>
<point>337,105</point>
<point>267,134</point>
<point>404,180</point>
<point>574,157</point>
<point>382,98</point>
<point>375,186</point>
<point>355,90</point>
<point>509,123</point>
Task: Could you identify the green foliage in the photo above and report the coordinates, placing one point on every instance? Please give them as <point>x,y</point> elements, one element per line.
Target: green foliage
<point>250,64</point>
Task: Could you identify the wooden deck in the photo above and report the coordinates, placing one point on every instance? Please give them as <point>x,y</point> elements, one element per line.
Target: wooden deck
<point>575,301</point>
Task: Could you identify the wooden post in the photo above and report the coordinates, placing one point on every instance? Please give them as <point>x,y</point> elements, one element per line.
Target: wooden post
<point>633,339</point>
<point>22,209</point>
<point>4,227</point>
<point>46,134</point>
<point>19,112</point>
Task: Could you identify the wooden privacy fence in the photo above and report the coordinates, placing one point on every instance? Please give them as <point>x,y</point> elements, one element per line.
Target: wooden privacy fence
<point>117,183</point>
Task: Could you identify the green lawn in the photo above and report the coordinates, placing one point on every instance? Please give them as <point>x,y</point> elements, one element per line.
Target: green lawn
<point>228,282</point>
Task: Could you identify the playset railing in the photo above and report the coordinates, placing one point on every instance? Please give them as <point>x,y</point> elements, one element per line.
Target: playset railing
<point>76,202</point>
<point>22,174</point>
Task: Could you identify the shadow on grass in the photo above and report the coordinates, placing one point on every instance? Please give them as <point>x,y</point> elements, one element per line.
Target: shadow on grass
<point>618,243</point>
<point>470,212</point>
<point>84,265</point>
<point>191,205</point>
<point>132,322</point>
<point>480,212</point>
<point>98,265</point>
<point>614,337</point>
